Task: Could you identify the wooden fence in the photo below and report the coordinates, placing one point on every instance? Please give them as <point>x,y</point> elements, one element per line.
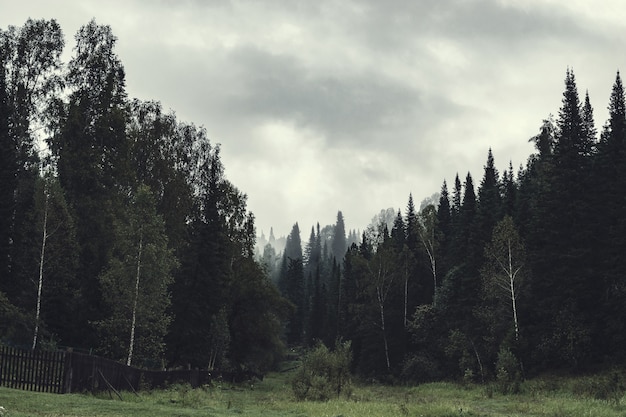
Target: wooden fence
<point>33,371</point>
<point>65,372</point>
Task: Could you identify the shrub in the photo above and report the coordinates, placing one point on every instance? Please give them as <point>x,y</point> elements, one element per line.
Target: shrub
<point>508,375</point>
<point>608,388</point>
<point>324,373</point>
<point>420,368</point>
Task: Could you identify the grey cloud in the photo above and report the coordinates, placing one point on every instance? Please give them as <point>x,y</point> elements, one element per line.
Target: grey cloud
<point>470,21</point>
<point>348,106</point>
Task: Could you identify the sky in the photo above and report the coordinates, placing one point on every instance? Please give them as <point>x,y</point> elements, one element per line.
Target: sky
<point>325,106</point>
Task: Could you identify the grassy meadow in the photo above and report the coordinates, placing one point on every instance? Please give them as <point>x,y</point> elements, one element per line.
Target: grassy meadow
<point>273,397</point>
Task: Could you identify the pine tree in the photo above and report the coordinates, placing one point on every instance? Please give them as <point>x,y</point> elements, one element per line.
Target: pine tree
<point>292,285</point>
<point>563,281</point>
<point>467,216</point>
<point>609,174</point>
<point>489,207</point>
<point>412,226</point>
<point>508,191</point>
<point>339,244</point>
<point>589,128</point>
<point>202,284</point>
<point>444,229</point>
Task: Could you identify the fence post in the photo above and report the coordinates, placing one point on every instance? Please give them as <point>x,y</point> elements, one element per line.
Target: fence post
<point>67,372</point>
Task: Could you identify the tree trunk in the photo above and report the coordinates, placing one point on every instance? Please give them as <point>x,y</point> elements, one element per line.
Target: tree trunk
<point>381,305</point>
<point>135,302</point>
<point>406,292</point>
<point>430,251</point>
<point>42,257</point>
<point>512,287</point>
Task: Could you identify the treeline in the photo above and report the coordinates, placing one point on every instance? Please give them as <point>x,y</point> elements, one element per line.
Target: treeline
<point>523,273</point>
<point>122,234</point>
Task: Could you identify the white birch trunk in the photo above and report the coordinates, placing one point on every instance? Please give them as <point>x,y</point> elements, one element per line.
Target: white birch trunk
<point>512,276</point>
<point>42,257</point>
<point>135,302</point>
<point>406,292</point>
<point>381,305</point>
<point>430,250</point>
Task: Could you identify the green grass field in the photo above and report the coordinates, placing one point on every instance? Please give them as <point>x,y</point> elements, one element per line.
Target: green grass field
<point>273,397</point>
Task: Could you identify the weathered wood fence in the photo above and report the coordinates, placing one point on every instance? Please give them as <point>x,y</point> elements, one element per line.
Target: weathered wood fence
<point>65,371</point>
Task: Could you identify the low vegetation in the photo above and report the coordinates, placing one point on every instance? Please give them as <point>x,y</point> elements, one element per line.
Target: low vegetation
<point>598,395</point>
<point>324,374</point>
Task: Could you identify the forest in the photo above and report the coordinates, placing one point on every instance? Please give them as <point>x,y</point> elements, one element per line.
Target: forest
<point>121,235</point>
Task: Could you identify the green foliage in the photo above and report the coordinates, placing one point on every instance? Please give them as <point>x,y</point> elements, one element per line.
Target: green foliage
<point>420,368</point>
<point>136,283</point>
<point>508,372</point>
<point>324,374</point>
<point>610,387</point>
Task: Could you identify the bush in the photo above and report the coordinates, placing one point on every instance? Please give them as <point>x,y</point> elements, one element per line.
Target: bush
<point>508,375</point>
<point>608,388</point>
<point>420,369</point>
<point>324,373</point>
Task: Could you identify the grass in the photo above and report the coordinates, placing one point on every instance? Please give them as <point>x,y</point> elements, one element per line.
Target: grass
<point>553,397</point>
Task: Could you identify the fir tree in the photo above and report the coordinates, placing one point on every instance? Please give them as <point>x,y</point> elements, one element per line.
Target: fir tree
<point>339,244</point>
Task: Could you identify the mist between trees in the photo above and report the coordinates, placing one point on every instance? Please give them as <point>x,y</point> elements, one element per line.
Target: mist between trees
<point>124,237</point>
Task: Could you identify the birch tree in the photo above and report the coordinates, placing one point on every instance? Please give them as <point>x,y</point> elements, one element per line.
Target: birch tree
<point>427,226</point>
<point>45,265</point>
<point>502,271</point>
<point>42,258</point>
<point>135,284</point>
<point>382,269</point>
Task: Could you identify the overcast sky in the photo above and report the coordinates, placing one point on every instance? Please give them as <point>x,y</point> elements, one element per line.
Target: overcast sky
<point>323,106</point>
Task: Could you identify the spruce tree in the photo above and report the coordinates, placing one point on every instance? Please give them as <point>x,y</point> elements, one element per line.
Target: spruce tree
<point>339,243</point>
<point>563,280</point>
<point>610,174</point>
<point>292,284</point>
<point>508,191</point>
<point>489,207</point>
<point>444,230</point>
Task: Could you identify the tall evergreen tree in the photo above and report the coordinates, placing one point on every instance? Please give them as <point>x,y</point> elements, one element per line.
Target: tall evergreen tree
<point>292,285</point>
<point>412,226</point>
<point>563,281</point>
<point>202,285</point>
<point>467,216</point>
<point>444,229</point>
<point>590,132</point>
<point>339,244</point>
<point>508,191</point>
<point>489,206</point>
<point>610,174</point>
